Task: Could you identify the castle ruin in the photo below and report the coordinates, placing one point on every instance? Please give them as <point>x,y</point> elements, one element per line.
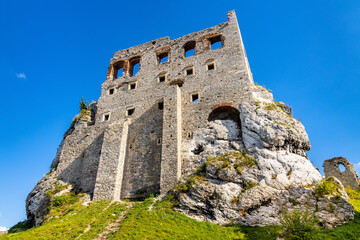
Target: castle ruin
<point>134,145</point>
<point>165,107</point>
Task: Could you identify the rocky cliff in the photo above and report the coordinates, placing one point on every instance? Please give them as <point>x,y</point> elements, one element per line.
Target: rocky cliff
<point>260,173</point>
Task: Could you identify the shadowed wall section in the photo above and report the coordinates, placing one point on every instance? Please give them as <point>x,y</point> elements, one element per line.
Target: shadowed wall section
<point>143,155</point>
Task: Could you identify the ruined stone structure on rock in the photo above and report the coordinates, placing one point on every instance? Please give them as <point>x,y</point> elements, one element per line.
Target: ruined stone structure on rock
<point>142,119</point>
<point>348,177</point>
<point>165,107</point>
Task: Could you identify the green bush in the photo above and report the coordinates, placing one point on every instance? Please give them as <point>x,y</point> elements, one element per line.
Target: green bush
<point>65,199</point>
<point>56,190</point>
<point>84,105</point>
<point>19,227</point>
<point>299,225</point>
<point>327,186</point>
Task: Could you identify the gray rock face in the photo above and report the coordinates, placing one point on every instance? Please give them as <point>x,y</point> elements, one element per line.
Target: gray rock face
<point>37,201</point>
<point>257,195</point>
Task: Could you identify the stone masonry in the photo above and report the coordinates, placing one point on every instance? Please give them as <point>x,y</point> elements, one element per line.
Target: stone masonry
<point>348,177</point>
<point>133,145</point>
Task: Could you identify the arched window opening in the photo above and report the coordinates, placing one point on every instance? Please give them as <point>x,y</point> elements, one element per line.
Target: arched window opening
<point>118,69</point>
<point>227,114</point>
<point>224,113</point>
<point>134,66</point>
<point>342,168</point>
<point>189,49</point>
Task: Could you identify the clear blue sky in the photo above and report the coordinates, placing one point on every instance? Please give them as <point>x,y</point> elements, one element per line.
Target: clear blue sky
<point>55,52</point>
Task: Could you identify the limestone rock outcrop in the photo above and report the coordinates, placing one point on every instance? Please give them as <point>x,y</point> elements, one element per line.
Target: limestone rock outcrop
<point>257,172</point>
<point>38,201</point>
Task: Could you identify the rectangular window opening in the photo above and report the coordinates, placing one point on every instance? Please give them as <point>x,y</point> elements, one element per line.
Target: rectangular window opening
<point>158,141</point>
<point>130,111</point>
<point>134,66</point>
<point>189,72</point>
<point>211,66</point>
<point>106,117</point>
<point>189,49</point>
<point>161,105</point>
<point>119,72</point>
<point>135,69</point>
<point>163,57</point>
<point>161,78</point>
<point>195,98</point>
<point>111,91</point>
<point>132,86</point>
<point>215,42</point>
<point>118,69</point>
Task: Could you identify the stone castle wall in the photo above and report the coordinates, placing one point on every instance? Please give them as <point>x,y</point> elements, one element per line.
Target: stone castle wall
<point>135,144</point>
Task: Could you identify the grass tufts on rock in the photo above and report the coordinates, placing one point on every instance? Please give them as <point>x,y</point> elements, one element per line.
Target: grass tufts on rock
<point>327,186</point>
<point>299,225</point>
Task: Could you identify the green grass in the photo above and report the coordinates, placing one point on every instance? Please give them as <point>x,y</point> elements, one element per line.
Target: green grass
<point>162,223</point>
<point>74,221</point>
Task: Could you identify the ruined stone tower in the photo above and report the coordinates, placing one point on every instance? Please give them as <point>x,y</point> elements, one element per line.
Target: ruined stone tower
<point>155,97</point>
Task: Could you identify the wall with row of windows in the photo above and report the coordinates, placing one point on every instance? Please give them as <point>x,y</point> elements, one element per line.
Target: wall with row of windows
<point>162,77</point>
<point>194,98</point>
<point>132,66</point>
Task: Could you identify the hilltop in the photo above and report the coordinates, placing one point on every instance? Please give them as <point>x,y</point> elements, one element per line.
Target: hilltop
<point>69,217</point>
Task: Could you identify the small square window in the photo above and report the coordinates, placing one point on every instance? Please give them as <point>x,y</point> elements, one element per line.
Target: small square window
<point>158,141</point>
<point>162,78</point>
<point>130,111</point>
<point>111,91</point>
<point>106,117</point>
<point>161,105</point>
<point>211,66</point>
<point>132,86</point>
<point>189,71</point>
<point>163,57</point>
<point>195,98</point>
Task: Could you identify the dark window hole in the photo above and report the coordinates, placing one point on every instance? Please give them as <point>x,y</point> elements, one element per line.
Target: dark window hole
<point>162,79</point>
<point>199,149</point>
<point>189,71</point>
<point>130,111</point>
<point>195,98</point>
<point>211,66</point>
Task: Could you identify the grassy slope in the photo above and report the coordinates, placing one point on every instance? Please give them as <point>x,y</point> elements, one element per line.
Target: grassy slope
<point>74,221</point>
<point>160,223</point>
